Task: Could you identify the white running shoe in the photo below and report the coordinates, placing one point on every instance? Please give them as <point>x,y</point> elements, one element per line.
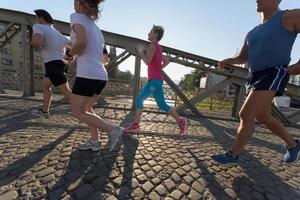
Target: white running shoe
<point>114,136</point>
<point>94,145</point>
<point>40,113</point>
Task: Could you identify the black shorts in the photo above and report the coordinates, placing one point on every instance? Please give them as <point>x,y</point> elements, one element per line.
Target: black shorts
<point>88,87</point>
<point>274,78</point>
<point>55,71</point>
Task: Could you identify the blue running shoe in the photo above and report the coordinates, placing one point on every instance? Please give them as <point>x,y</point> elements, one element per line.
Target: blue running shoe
<point>225,159</point>
<point>292,154</point>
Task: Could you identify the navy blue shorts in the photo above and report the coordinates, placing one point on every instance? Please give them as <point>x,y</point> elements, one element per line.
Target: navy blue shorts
<point>88,87</point>
<point>274,78</point>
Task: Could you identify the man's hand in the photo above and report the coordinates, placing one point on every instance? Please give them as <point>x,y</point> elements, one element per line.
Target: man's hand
<point>69,59</point>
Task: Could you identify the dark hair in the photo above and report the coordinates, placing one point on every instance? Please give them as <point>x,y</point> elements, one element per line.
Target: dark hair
<point>93,8</point>
<point>159,30</point>
<point>45,15</point>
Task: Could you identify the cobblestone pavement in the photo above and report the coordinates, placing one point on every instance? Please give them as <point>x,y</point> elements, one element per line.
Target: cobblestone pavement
<point>40,159</point>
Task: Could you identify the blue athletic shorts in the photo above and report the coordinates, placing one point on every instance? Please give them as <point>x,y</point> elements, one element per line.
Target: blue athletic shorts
<point>274,78</point>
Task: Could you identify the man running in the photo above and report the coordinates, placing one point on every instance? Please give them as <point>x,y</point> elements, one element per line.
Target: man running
<point>52,43</point>
<point>267,53</point>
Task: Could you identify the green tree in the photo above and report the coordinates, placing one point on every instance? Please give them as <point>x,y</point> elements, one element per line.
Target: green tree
<point>189,80</point>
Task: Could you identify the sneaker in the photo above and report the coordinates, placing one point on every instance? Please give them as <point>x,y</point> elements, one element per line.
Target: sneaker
<point>292,154</point>
<point>113,137</point>
<point>182,126</point>
<point>225,159</point>
<point>134,127</point>
<point>40,113</point>
<point>94,145</point>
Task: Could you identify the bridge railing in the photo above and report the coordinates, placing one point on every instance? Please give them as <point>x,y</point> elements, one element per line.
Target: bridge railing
<point>19,22</point>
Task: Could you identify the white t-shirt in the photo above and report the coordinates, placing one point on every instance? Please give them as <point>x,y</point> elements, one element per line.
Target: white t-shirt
<point>54,42</point>
<point>89,61</point>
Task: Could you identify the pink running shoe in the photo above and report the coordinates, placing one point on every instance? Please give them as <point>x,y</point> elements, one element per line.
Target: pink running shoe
<point>134,127</point>
<point>182,126</point>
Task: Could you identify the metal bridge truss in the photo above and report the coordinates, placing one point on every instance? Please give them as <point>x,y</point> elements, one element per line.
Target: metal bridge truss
<point>19,21</point>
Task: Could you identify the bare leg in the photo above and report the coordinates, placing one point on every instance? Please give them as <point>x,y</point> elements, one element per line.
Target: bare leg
<point>250,110</point>
<point>174,114</point>
<point>65,90</point>
<point>275,126</point>
<point>78,110</point>
<point>47,94</point>
<point>138,115</point>
<point>89,108</point>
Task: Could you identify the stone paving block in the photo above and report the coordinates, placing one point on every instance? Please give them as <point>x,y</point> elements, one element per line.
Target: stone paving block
<point>176,178</point>
<point>124,192</point>
<point>154,196</point>
<point>150,174</point>
<point>83,191</point>
<point>198,187</point>
<point>138,194</point>
<point>48,179</point>
<point>147,187</point>
<point>45,172</point>
<point>176,194</point>
<point>170,185</point>
<point>194,195</point>
<point>10,195</point>
<point>184,188</point>
<point>41,160</point>
<point>141,178</point>
<point>161,190</point>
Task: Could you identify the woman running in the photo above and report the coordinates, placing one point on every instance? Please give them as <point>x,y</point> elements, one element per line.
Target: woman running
<point>156,62</point>
<point>87,45</point>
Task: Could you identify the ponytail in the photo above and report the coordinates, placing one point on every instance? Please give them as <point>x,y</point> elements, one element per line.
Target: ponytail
<point>92,7</point>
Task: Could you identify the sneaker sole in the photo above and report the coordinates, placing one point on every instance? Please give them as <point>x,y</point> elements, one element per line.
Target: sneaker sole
<point>38,115</point>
